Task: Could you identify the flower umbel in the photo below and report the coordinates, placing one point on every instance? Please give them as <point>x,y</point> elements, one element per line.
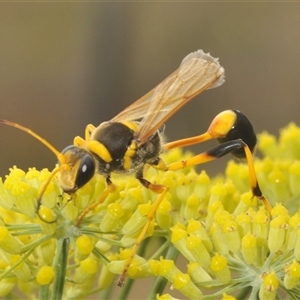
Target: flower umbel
<point>231,245</point>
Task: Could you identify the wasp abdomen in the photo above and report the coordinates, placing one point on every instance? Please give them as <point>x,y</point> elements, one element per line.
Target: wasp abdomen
<point>237,127</point>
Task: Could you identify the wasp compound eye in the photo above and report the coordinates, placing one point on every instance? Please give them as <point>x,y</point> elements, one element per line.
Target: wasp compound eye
<point>86,170</point>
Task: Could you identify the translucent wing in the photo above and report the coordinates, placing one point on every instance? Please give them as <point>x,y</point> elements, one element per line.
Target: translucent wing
<point>197,72</point>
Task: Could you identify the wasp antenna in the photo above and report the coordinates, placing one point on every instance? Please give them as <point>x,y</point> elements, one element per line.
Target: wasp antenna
<point>58,154</point>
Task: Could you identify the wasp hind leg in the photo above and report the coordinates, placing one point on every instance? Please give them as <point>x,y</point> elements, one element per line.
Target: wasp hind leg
<point>156,188</point>
<point>158,164</point>
<point>236,135</point>
<point>219,151</point>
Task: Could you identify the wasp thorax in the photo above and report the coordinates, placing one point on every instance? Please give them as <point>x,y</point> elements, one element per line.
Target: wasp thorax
<point>116,148</point>
<point>81,168</point>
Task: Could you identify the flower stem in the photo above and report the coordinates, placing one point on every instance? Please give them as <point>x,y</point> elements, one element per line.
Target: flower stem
<point>44,292</point>
<point>59,265</point>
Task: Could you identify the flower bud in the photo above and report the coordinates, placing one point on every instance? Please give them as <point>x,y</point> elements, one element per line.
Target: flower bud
<point>112,217</point>
<point>21,268</point>
<point>249,249</point>
<point>9,243</point>
<point>137,220</point>
<point>278,227</point>
<point>45,275</point>
<point>292,275</point>
<point>87,268</point>
<point>163,214</point>
<point>191,207</point>
<point>183,283</point>
<point>197,273</point>
<point>84,246</point>
<point>268,289</point>
<point>48,250</point>
<point>220,268</point>
<point>197,228</point>
<point>178,239</point>
<point>196,247</point>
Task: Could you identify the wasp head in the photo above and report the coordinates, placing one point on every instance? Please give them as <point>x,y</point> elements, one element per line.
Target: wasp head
<point>80,169</point>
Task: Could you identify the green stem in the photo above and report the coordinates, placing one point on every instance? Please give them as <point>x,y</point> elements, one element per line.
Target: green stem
<point>60,266</point>
<point>161,250</point>
<point>102,258</point>
<point>44,292</point>
<point>160,282</point>
<point>244,294</point>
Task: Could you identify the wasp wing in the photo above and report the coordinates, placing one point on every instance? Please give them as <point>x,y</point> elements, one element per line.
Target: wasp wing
<point>197,72</point>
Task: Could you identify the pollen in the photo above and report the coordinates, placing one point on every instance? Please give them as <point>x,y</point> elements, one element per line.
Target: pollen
<point>89,265</point>
<point>218,263</point>
<point>46,214</point>
<point>84,244</point>
<point>181,280</point>
<point>269,286</point>
<point>45,275</point>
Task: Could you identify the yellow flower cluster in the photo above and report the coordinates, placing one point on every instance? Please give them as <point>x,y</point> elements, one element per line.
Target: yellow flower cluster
<point>230,246</point>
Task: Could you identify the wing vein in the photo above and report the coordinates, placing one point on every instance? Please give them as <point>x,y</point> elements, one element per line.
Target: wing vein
<point>197,72</point>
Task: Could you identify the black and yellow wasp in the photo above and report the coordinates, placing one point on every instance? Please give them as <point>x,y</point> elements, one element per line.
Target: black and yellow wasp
<point>134,139</point>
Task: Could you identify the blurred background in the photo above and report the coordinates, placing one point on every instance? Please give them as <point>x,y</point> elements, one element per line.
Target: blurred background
<point>65,65</point>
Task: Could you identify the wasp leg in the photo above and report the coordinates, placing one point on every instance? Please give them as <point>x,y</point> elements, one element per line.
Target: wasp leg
<point>79,141</point>
<point>159,164</point>
<point>162,190</point>
<point>156,188</point>
<point>88,131</point>
<point>219,151</point>
<point>189,141</point>
<point>110,187</point>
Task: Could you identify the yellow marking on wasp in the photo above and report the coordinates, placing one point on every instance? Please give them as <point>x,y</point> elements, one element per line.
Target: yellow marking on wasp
<point>100,150</point>
<point>132,125</point>
<point>131,150</point>
<point>161,165</point>
<point>127,162</point>
<point>222,123</point>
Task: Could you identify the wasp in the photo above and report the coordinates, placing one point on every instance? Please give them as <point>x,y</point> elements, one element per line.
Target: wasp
<point>134,139</point>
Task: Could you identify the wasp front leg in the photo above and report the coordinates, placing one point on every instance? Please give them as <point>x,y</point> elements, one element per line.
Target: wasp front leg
<point>79,141</point>
<point>88,131</point>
